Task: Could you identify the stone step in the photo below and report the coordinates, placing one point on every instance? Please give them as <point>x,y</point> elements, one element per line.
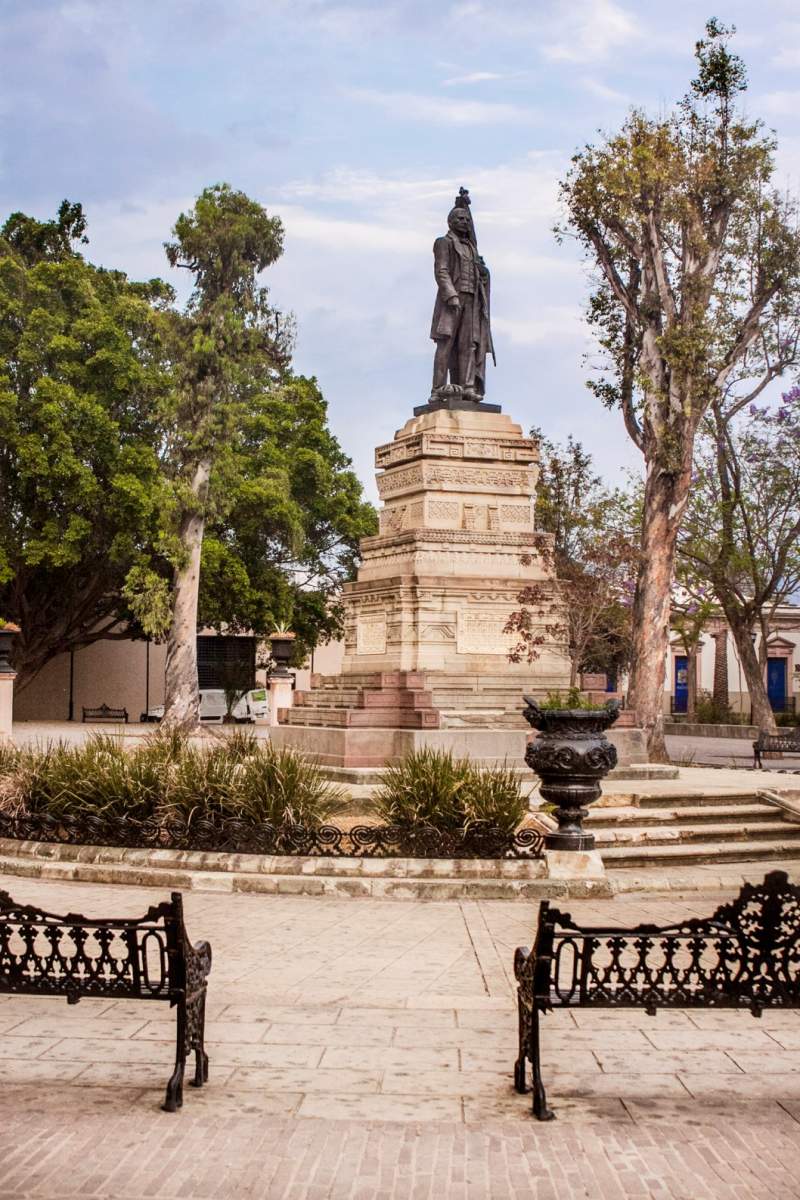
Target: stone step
<point>664,835</point>
<point>396,699</point>
<point>734,814</point>
<point>694,799</point>
<point>346,718</point>
<point>699,853</point>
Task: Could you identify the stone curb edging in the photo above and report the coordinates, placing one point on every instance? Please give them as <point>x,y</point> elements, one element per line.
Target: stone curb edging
<point>390,879</point>
<point>385,878</point>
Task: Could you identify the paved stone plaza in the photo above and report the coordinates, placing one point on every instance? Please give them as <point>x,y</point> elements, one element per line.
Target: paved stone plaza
<point>364,1049</point>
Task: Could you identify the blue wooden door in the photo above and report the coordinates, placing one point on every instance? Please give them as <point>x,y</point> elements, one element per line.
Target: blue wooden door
<point>776,683</point>
<point>681,683</point>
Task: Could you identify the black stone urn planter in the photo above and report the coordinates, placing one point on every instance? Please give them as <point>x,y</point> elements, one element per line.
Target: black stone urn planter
<point>281,645</point>
<point>7,634</point>
<point>570,756</point>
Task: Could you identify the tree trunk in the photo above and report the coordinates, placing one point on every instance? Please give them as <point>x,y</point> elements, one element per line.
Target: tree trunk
<point>182,694</point>
<point>763,716</point>
<point>573,671</point>
<point>721,697</point>
<point>665,495</point>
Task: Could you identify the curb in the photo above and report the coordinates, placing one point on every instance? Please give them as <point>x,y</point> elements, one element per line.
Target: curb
<point>377,878</point>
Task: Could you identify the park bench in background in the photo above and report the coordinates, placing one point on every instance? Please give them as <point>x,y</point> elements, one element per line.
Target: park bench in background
<point>104,713</point>
<point>151,958</point>
<point>745,955</point>
<point>787,742</point>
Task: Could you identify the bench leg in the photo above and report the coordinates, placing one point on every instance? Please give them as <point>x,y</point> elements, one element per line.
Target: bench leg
<point>520,1071</point>
<point>540,1109</point>
<point>174,1097</point>
<point>200,1056</point>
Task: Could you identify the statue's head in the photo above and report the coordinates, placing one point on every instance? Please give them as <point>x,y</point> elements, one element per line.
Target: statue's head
<point>458,220</point>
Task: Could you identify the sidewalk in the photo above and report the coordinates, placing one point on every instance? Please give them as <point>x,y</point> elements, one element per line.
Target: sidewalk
<point>362,1051</point>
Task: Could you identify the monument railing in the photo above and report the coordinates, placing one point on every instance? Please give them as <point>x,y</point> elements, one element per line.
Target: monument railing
<point>234,835</point>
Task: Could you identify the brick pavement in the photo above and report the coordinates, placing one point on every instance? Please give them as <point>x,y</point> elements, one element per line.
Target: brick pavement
<point>364,1051</point>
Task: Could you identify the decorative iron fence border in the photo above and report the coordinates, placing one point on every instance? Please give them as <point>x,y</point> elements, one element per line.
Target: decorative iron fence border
<point>236,836</point>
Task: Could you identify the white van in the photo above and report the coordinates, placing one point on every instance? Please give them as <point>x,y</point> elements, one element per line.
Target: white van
<point>252,705</point>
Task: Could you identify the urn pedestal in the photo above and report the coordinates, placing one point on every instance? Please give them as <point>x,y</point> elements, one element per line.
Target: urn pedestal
<point>7,677</point>
<point>570,756</point>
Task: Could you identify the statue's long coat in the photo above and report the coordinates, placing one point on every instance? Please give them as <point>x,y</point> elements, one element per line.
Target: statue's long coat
<point>447,270</point>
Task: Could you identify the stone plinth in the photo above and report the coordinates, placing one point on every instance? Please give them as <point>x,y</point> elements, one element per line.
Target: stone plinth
<point>6,704</point>
<point>456,545</point>
<point>426,656</point>
<point>334,741</point>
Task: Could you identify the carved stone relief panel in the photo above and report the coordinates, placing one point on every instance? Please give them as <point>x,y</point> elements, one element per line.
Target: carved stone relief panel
<point>482,633</point>
<point>516,514</point>
<point>371,635</point>
<point>400,481</point>
<point>444,510</point>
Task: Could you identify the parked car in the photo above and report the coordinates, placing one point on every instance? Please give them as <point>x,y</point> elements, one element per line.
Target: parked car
<point>213,708</point>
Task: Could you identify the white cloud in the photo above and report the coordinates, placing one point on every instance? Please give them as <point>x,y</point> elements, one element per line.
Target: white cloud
<point>781,103</point>
<point>411,106</point>
<point>537,328</point>
<point>475,77</point>
<point>589,31</point>
<point>596,88</point>
<point>338,234</point>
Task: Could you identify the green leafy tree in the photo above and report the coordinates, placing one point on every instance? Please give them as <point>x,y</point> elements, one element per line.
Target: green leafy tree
<point>289,535</point>
<point>229,344</point>
<point>81,385</point>
<point>697,258</point>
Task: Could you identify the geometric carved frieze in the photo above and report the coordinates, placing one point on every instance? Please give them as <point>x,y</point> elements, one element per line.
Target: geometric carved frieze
<point>482,633</point>
<point>516,514</point>
<point>461,477</point>
<point>443,510</point>
<point>460,445</point>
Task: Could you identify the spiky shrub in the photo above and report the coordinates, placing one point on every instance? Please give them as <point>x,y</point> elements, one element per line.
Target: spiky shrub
<point>430,787</point>
<point>98,777</point>
<point>283,787</point>
<point>494,795</point>
<point>168,779</point>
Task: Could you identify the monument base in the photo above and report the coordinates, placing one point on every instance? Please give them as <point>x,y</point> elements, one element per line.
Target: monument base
<point>348,747</point>
<point>583,870</point>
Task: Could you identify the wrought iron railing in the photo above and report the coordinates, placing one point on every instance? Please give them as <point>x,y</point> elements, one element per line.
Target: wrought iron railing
<point>234,835</point>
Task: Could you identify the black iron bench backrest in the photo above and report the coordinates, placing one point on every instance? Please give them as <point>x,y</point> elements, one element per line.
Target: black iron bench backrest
<point>104,713</point>
<point>779,741</point>
<point>746,954</point>
<point>74,956</point>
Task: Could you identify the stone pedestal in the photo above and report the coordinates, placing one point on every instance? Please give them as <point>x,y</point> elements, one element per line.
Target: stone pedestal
<point>280,696</point>
<point>425,647</point>
<point>6,704</point>
<point>583,871</point>
<point>456,545</point>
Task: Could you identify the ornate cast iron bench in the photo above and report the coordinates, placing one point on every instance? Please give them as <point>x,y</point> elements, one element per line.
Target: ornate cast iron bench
<point>104,713</point>
<point>745,955</point>
<point>776,743</point>
<point>42,954</point>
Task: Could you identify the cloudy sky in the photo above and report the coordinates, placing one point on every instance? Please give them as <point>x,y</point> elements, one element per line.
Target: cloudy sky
<point>357,122</point>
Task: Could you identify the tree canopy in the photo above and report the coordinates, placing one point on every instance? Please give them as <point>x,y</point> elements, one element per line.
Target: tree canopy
<point>81,384</point>
<point>101,398</point>
<point>697,296</point>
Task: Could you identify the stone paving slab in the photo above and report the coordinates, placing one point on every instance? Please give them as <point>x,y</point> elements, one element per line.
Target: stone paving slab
<point>363,1051</point>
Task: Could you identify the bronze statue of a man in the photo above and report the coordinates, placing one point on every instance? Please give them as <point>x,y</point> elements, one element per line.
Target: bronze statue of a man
<point>460,326</point>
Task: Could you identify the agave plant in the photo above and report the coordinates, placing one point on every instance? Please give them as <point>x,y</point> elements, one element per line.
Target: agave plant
<point>430,787</point>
